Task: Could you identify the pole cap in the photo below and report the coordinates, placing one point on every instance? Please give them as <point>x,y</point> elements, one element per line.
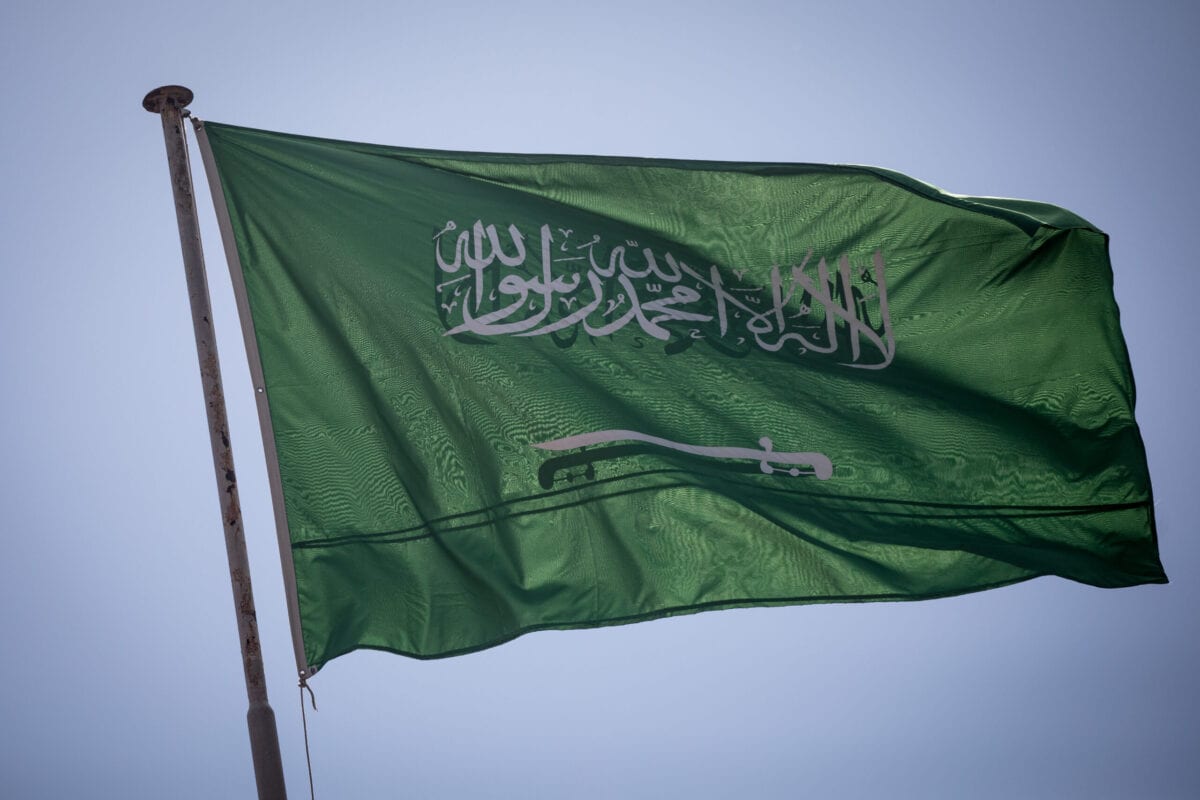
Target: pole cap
<point>163,96</point>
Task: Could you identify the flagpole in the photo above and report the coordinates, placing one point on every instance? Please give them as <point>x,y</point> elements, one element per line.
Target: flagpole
<point>168,102</point>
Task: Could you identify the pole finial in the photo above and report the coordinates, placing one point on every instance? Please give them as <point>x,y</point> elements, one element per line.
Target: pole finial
<point>163,96</point>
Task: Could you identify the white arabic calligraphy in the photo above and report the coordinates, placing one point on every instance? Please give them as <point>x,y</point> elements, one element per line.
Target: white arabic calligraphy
<point>796,311</point>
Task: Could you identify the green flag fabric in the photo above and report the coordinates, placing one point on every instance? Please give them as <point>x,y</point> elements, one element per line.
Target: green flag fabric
<point>518,392</point>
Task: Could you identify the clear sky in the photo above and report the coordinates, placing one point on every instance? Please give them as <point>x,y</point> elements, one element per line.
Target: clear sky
<point>120,674</point>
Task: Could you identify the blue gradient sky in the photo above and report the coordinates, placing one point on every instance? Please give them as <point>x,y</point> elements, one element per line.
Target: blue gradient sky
<point>120,674</point>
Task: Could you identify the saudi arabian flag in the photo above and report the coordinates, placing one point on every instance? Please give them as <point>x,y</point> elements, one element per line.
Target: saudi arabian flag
<point>504,393</point>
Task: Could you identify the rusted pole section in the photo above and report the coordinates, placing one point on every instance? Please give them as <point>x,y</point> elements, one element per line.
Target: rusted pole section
<point>169,102</point>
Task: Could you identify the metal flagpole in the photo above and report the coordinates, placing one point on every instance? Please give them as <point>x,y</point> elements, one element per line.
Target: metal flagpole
<point>168,101</point>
